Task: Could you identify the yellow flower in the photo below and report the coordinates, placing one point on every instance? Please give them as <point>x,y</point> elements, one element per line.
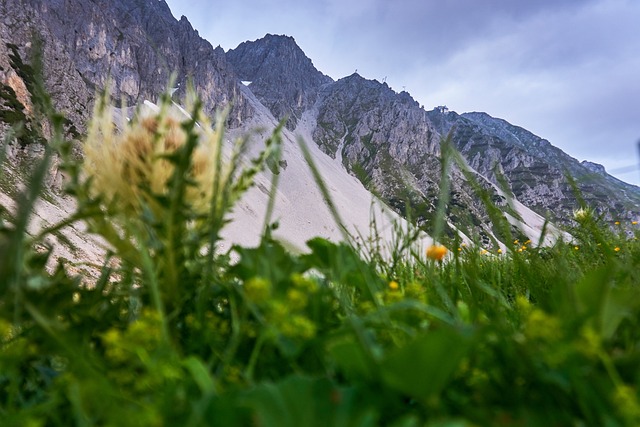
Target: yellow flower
<point>515,242</point>
<point>527,242</point>
<point>257,289</point>
<point>436,252</point>
<point>617,223</point>
<point>634,222</point>
<point>297,299</point>
<point>484,252</point>
<point>523,303</point>
<point>576,247</point>
<point>617,249</point>
<point>542,326</point>
<point>499,251</point>
<point>590,343</point>
<point>393,285</point>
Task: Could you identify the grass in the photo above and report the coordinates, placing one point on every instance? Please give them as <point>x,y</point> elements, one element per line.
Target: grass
<point>177,334</point>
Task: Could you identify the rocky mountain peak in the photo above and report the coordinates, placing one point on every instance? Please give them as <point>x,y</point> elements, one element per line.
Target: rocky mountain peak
<point>282,77</point>
<point>594,167</point>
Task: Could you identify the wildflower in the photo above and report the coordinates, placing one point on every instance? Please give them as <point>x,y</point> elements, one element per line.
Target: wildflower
<point>416,291</point>
<point>523,304</point>
<point>113,342</point>
<point>617,223</point>
<point>634,222</point>
<point>131,163</point>
<point>278,311</point>
<point>436,252</point>
<point>527,242</point>
<point>617,249</point>
<point>515,242</point>
<point>306,284</point>
<point>393,285</point>
<point>576,248</point>
<point>484,252</point>
<point>257,289</point>
<point>542,326</point>
<point>499,250</point>
<point>581,214</point>
<point>298,326</point>
<point>297,299</point>
<point>590,343</point>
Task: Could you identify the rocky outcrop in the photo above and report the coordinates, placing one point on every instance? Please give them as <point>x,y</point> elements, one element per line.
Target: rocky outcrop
<point>388,141</point>
<point>130,47</point>
<point>279,73</point>
<point>539,174</point>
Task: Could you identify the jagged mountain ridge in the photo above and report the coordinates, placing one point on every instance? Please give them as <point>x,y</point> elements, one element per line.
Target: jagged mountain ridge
<point>536,170</point>
<point>277,61</point>
<point>392,144</point>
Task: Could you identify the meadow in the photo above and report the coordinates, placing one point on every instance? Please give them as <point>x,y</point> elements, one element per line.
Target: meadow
<point>174,332</point>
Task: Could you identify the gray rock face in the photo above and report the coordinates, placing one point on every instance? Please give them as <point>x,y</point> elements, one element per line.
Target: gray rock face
<point>282,77</point>
<point>594,167</point>
<point>131,46</point>
<point>66,86</point>
<point>536,171</point>
<point>388,141</point>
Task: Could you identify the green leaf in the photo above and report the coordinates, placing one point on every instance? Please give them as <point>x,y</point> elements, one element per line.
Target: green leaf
<point>270,261</point>
<point>616,306</point>
<point>351,358</point>
<point>200,374</point>
<point>342,264</point>
<point>599,298</point>
<point>423,368</point>
<point>302,401</point>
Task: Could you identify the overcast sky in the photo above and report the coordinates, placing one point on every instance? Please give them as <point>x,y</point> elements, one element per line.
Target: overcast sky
<point>566,70</point>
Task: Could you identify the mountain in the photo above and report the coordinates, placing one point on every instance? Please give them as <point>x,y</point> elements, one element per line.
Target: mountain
<point>366,138</point>
<point>535,170</point>
<point>393,146</point>
<point>133,47</point>
<point>279,74</point>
